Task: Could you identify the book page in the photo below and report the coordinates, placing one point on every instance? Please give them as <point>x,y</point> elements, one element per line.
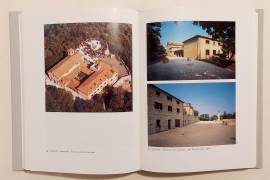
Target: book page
<point>80,91</point>
<point>199,79</point>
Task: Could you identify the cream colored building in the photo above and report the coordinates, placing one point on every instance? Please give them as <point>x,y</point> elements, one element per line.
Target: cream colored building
<point>188,114</point>
<point>175,49</point>
<point>188,109</point>
<point>196,47</point>
<point>201,47</point>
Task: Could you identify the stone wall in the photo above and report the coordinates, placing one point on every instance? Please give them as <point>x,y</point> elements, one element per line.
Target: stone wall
<point>161,119</point>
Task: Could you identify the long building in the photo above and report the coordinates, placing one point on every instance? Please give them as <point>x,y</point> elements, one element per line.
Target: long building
<point>166,111</point>
<point>197,47</point>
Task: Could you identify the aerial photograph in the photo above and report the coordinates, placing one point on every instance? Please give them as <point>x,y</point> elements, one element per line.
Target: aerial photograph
<point>88,67</point>
<point>190,50</point>
<point>191,114</point>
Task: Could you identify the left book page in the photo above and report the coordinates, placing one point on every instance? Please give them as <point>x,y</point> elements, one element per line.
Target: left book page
<point>79,91</point>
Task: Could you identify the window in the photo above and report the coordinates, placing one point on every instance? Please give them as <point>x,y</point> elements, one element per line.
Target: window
<point>158,123</point>
<point>207,41</point>
<point>207,52</point>
<point>177,102</point>
<point>178,110</point>
<point>169,98</point>
<point>158,106</point>
<point>214,52</point>
<point>170,108</point>
<point>219,44</point>
<point>157,93</point>
<point>214,42</point>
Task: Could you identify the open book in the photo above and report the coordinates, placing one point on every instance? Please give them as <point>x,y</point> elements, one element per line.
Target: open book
<point>108,91</point>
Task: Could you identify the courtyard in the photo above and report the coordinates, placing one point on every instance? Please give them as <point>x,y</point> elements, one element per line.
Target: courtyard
<point>202,133</point>
<point>184,69</point>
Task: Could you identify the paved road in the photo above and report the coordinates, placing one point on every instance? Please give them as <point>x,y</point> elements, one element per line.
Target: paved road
<point>197,134</point>
<point>182,69</point>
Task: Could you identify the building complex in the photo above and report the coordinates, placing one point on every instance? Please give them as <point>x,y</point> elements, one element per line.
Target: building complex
<point>86,71</point>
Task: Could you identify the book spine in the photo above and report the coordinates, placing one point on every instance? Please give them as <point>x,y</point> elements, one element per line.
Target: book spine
<point>16,95</point>
<point>259,163</point>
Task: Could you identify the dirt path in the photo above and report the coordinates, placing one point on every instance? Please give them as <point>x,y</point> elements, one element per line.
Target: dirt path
<point>198,134</point>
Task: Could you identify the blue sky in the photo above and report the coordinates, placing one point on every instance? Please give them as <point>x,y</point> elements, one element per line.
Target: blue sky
<point>179,31</point>
<point>207,98</point>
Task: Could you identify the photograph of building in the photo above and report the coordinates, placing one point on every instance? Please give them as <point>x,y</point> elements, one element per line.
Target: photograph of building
<point>205,114</point>
<point>190,50</point>
<point>89,74</point>
<point>166,111</point>
<point>84,74</point>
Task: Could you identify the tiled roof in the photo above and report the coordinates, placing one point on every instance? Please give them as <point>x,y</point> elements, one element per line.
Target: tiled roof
<point>68,72</point>
<point>199,36</point>
<point>90,84</point>
<point>65,65</point>
<point>175,43</point>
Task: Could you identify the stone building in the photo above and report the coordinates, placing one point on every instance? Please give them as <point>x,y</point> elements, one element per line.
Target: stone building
<point>165,111</point>
<point>196,47</point>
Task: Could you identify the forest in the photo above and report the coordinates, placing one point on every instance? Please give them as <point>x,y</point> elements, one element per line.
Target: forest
<point>60,37</point>
<point>155,51</point>
<point>112,100</point>
<point>207,117</point>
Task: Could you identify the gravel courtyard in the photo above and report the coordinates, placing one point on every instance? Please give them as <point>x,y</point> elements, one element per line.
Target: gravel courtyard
<point>203,133</point>
<point>183,69</point>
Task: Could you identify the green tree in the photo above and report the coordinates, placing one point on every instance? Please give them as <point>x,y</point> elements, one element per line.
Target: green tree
<point>223,31</point>
<point>204,117</point>
<point>107,96</point>
<point>93,105</point>
<point>196,113</point>
<point>155,51</point>
<point>234,115</point>
<point>60,37</point>
<point>214,117</point>
<point>58,100</point>
<point>127,102</point>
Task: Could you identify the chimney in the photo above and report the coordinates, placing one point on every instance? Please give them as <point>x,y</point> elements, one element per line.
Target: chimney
<point>70,52</point>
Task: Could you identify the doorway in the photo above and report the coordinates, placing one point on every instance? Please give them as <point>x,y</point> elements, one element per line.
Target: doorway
<point>177,123</point>
<point>169,124</point>
<point>179,53</point>
<point>157,125</point>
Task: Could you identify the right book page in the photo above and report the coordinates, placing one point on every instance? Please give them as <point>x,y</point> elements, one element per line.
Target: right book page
<point>198,89</point>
